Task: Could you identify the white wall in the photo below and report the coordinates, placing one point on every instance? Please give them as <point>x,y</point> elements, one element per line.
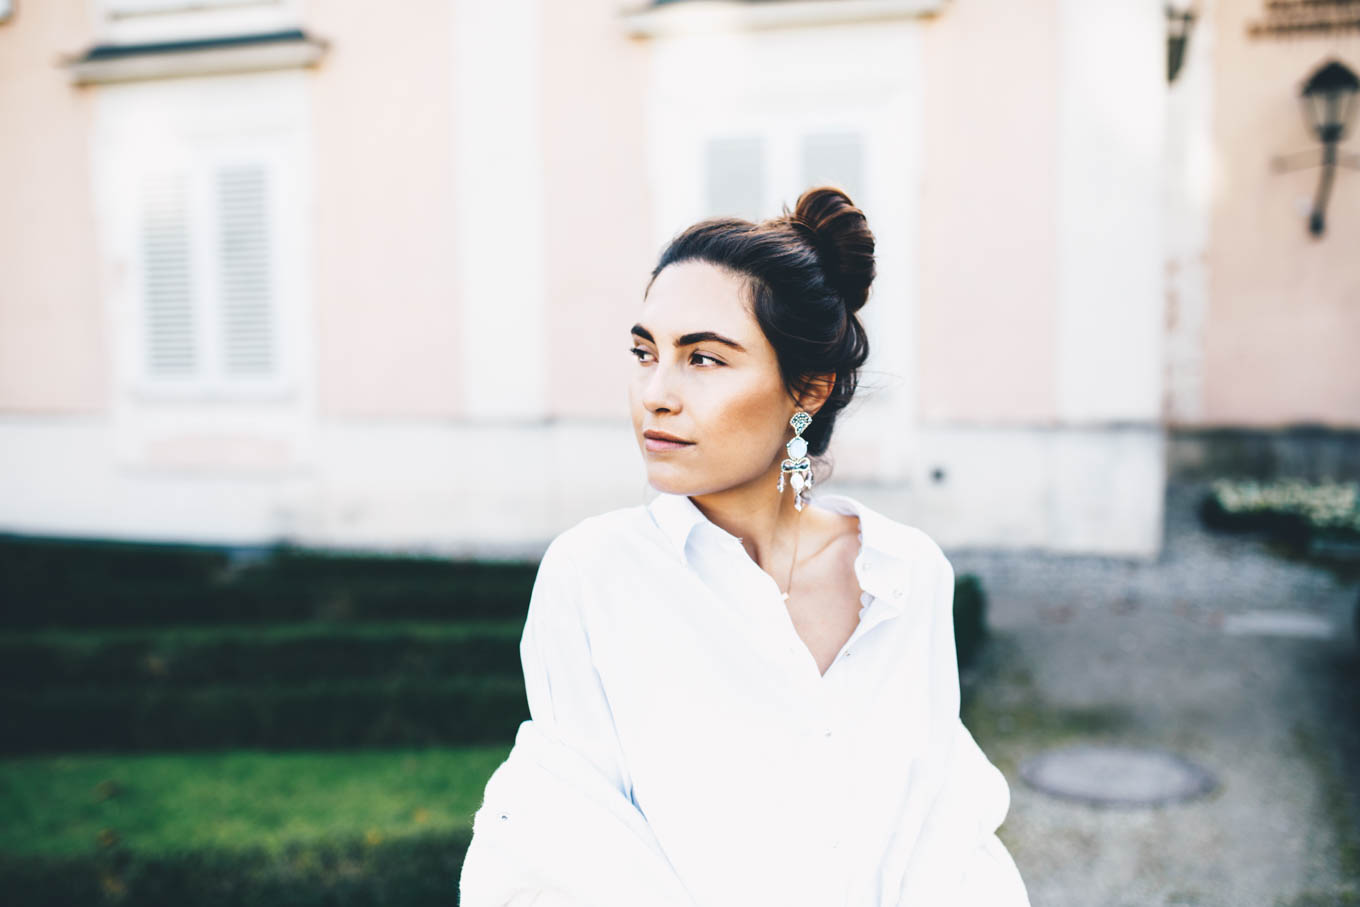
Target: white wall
<point>499,245</point>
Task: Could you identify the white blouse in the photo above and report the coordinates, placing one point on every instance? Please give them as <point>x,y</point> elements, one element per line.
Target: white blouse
<point>660,652</point>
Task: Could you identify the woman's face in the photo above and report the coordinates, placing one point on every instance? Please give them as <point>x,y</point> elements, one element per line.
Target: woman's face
<point>707,375</point>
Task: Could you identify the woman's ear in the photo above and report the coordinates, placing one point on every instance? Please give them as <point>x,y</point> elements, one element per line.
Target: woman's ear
<point>816,389</point>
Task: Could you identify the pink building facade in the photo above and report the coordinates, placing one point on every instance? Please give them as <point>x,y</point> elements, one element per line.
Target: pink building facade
<point>360,276</point>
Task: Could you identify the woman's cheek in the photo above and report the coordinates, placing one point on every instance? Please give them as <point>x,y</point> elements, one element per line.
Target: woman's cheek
<point>746,415</point>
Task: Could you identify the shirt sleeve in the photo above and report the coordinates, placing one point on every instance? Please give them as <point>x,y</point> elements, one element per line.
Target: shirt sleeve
<point>959,858</point>
<point>558,826</point>
<point>988,874</point>
<point>566,696</point>
<point>991,877</point>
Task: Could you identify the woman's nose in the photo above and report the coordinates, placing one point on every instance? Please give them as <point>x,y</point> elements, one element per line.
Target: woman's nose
<point>658,391</point>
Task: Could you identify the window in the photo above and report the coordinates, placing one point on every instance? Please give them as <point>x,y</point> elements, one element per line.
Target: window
<point>835,157</point>
<point>734,174</point>
<point>208,277</point>
<point>748,175</point>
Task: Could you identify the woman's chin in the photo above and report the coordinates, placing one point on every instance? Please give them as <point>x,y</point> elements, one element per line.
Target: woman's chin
<point>666,481</point>
<point>668,478</point>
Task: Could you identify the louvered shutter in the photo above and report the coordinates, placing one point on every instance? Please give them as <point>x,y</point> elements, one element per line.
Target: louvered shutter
<point>734,176</point>
<point>834,157</point>
<point>171,328</point>
<point>246,295</point>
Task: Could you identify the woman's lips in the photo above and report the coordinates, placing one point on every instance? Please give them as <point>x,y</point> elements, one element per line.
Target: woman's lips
<point>659,444</point>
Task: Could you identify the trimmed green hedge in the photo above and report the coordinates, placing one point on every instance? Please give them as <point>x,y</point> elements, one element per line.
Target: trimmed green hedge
<point>329,714</point>
<point>292,653</point>
<point>80,583</point>
<point>413,872</point>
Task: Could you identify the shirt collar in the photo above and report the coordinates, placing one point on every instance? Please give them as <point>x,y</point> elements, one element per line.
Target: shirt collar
<point>678,517</point>
<point>882,564</point>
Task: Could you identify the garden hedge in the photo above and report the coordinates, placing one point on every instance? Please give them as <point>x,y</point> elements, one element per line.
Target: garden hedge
<point>162,658</point>
<point>79,583</point>
<point>331,714</point>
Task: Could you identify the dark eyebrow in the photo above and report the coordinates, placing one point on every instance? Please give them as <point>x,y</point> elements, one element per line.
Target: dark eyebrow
<point>687,339</point>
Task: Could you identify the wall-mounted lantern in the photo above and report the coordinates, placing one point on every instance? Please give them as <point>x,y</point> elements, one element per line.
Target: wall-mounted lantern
<point>1329,102</point>
<point>1180,18</point>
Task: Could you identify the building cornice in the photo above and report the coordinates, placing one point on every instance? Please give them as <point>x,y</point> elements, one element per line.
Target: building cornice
<point>206,56</point>
<point>695,16</point>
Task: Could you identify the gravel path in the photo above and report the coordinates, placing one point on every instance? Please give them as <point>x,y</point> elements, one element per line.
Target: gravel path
<point>1097,649</point>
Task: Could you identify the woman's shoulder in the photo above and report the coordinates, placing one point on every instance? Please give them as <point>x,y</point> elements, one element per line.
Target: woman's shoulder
<point>887,532</point>
<point>601,554</point>
<point>613,534</point>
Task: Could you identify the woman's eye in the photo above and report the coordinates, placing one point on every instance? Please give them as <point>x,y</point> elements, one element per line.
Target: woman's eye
<point>639,352</point>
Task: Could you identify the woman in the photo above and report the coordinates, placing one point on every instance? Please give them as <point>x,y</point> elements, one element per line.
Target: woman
<point>741,693</point>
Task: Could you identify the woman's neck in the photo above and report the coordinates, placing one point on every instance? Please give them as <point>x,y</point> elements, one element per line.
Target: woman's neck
<point>759,514</point>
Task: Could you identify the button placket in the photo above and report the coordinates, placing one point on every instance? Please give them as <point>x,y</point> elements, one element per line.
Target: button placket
<point>833,805</point>
<point>771,621</point>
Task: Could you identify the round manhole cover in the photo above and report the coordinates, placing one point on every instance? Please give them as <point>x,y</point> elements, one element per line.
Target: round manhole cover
<point>1107,775</point>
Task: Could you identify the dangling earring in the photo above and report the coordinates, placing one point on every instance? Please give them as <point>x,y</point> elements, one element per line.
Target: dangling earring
<point>797,467</point>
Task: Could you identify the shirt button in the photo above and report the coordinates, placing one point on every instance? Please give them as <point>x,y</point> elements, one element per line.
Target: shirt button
<point>826,733</point>
<point>897,593</point>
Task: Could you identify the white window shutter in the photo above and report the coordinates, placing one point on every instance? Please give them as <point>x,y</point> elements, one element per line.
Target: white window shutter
<point>246,287</point>
<point>734,176</point>
<point>171,319</point>
<point>837,158</point>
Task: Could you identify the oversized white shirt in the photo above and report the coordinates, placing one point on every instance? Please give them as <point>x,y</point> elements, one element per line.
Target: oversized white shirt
<point>659,656</point>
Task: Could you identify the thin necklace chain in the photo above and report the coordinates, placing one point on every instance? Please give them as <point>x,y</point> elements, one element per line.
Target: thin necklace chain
<point>788,586</point>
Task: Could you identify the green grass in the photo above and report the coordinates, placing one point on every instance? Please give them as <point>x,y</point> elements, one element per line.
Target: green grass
<point>165,803</point>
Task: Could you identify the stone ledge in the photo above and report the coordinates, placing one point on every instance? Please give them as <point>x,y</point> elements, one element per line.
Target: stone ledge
<point>691,16</point>
<point>210,56</point>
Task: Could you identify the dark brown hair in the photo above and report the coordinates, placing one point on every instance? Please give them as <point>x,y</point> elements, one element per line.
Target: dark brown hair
<point>807,272</point>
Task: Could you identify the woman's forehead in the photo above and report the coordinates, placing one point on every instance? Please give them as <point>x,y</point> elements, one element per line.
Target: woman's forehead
<point>697,296</point>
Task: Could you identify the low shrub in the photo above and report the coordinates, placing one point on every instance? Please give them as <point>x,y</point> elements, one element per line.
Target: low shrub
<point>970,618</point>
<point>1294,510</point>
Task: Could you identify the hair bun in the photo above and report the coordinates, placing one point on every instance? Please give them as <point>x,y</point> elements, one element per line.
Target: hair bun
<point>845,245</point>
